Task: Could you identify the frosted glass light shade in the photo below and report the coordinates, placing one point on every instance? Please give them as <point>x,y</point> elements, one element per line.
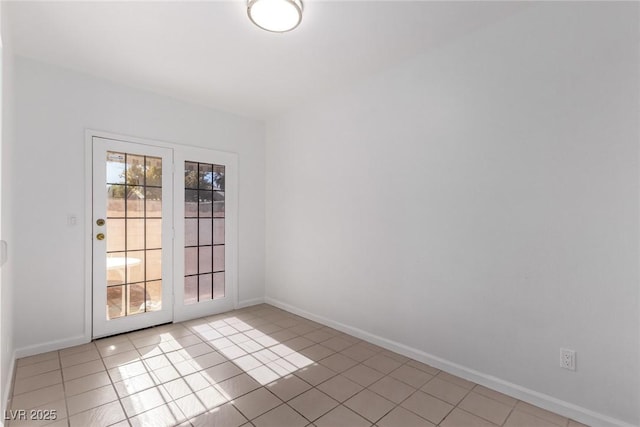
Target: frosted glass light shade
<point>278,16</point>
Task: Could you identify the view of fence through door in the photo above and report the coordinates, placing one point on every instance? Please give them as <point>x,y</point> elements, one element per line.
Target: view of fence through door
<point>134,234</point>
<point>204,210</point>
<point>163,233</point>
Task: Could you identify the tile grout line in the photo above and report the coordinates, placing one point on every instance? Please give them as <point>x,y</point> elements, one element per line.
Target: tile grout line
<point>261,386</point>
<point>64,389</point>
<point>189,418</point>
<point>513,408</point>
<point>111,382</point>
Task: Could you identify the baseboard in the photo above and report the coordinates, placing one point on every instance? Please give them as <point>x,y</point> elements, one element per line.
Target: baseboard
<point>250,302</point>
<point>83,339</point>
<point>541,400</point>
<point>51,346</point>
<point>6,396</point>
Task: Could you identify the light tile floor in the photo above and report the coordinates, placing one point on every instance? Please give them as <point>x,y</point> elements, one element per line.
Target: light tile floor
<point>258,366</point>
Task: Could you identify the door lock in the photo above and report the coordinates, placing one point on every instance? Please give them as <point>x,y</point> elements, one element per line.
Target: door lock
<point>100,222</point>
<point>100,236</point>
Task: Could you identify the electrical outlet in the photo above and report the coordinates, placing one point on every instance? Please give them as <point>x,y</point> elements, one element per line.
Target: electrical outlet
<point>4,249</point>
<point>568,359</point>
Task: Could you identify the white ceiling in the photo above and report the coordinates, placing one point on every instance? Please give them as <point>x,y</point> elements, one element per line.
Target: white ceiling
<point>210,53</point>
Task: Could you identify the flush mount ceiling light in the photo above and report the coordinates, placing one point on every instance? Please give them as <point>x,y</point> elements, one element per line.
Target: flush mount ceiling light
<point>278,16</point>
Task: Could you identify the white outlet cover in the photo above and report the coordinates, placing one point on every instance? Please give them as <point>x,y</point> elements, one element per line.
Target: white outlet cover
<point>568,359</point>
<point>4,249</point>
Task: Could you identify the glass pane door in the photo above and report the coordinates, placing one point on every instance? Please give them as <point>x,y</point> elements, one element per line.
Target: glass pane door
<point>132,235</point>
<point>204,212</point>
<point>206,233</point>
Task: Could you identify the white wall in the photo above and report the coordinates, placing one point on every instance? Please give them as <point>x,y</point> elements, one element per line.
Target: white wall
<point>478,203</point>
<point>53,108</point>
<point>6,231</point>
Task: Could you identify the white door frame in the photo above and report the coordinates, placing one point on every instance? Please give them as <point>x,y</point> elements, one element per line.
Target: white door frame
<point>232,197</point>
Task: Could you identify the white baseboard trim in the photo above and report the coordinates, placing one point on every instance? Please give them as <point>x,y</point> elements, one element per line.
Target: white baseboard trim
<point>51,346</point>
<point>83,339</point>
<point>250,302</point>
<point>544,401</point>
<point>7,387</point>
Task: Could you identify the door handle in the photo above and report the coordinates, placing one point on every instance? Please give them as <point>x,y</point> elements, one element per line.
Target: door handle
<point>100,236</point>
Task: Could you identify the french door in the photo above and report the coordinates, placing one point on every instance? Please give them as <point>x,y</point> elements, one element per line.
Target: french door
<point>206,204</point>
<point>163,234</point>
<point>132,236</point>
